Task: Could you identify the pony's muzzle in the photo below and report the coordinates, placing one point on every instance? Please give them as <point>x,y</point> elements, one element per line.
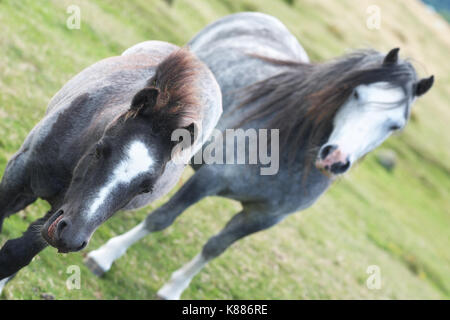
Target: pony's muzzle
<point>58,232</point>
<point>332,160</point>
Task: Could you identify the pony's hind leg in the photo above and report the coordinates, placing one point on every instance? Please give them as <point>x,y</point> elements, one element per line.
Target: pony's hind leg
<point>250,220</point>
<point>15,192</point>
<point>200,185</point>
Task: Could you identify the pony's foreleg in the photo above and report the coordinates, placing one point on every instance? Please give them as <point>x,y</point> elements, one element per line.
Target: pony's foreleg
<point>15,193</point>
<point>248,221</point>
<point>197,187</point>
<point>4,282</point>
<point>18,253</point>
<point>16,203</point>
<point>100,261</point>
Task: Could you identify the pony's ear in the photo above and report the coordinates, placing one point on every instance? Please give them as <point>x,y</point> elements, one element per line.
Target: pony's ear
<point>423,86</point>
<point>192,131</point>
<point>182,143</point>
<point>188,135</point>
<point>391,57</point>
<point>145,100</point>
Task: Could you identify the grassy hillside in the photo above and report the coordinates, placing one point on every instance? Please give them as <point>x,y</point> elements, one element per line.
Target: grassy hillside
<point>397,220</point>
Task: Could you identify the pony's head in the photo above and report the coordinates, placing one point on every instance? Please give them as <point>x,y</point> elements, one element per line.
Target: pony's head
<point>377,96</point>
<point>331,114</point>
<point>126,164</point>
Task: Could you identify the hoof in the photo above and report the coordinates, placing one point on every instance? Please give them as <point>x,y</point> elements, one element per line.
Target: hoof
<point>94,267</point>
<point>169,292</point>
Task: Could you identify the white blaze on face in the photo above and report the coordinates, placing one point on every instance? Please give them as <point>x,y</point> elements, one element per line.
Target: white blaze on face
<point>366,120</point>
<point>137,161</point>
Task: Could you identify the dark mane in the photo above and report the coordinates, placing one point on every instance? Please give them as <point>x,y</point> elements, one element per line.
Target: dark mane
<point>175,77</point>
<point>303,100</point>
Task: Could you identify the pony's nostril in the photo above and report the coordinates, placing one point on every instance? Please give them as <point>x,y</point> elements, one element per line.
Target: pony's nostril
<point>340,167</point>
<point>327,150</point>
<point>82,246</point>
<point>61,226</point>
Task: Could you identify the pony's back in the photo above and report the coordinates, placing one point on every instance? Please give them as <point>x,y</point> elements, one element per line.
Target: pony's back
<point>229,43</point>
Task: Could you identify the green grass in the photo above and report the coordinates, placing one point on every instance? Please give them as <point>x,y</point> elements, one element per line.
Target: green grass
<point>397,220</point>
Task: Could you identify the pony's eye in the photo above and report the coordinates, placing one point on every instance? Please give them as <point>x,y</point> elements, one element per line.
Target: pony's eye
<point>394,127</point>
<point>98,152</point>
<point>102,150</point>
<point>356,94</point>
<point>146,186</point>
